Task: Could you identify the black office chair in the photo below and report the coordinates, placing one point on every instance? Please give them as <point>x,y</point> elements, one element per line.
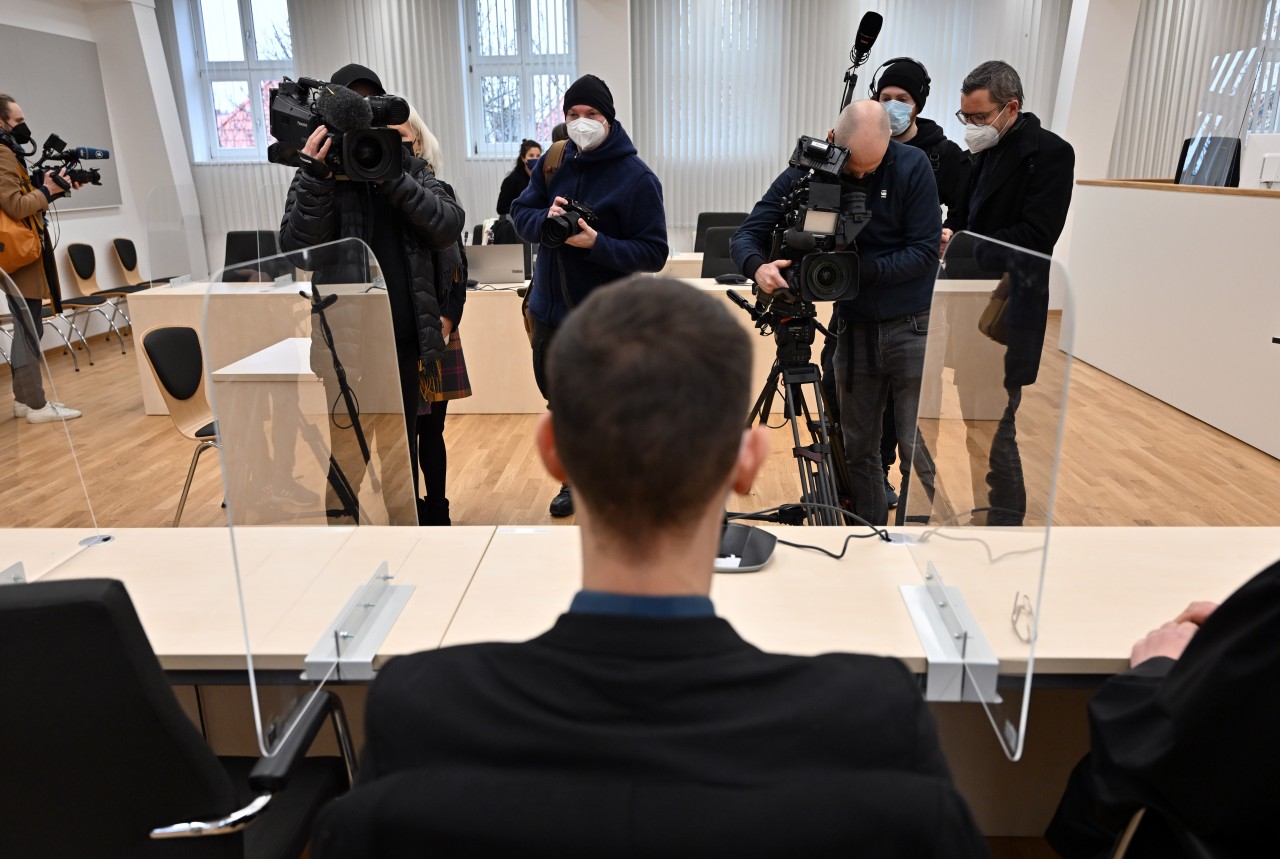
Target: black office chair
<point>482,812</point>
<point>708,220</point>
<point>477,234</point>
<point>99,755</point>
<point>1151,834</point>
<point>1215,162</point>
<point>715,256</point>
<point>253,255</point>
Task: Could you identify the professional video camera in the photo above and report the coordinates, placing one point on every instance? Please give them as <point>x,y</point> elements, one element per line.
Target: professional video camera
<point>55,150</point>
<point>821,221</point>
<point>556,230</point>
<point>362,147</point>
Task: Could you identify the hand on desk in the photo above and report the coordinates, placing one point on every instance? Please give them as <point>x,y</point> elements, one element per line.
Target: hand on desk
<point>1172,638</point>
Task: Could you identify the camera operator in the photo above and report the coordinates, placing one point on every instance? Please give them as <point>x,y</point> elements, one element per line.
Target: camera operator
<point>409,223</point>
<point>37,280</point>
<point>627,233</point>
<point>882,331</point>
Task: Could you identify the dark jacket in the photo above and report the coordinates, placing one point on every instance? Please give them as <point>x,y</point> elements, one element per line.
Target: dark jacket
<point>629,736</point>
<point>1019,193</point>
<point>632,226</point>
<point>326,210</point>
<point>898,246</point>
<point>950,165</point>
<point>1193,741</point>
<point>513,185</point>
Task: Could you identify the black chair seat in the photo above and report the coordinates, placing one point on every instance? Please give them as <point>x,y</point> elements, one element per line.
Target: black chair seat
<point>209,430</point>
<point>84,301</point>
<point>285,827</point>
<point>125,290</point>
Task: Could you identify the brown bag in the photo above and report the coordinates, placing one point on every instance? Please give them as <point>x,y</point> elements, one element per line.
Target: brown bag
<point>550,164</point>
<point>19,240</point>
<point>991,322</point>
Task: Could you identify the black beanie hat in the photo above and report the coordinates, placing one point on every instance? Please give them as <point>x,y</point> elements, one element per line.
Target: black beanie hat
<point>908,75</point>
<point>352,72</point>
<point>590,90</point>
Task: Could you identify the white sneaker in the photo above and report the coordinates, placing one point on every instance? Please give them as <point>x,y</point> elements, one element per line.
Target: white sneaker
<point>51,412</point>
<point>20,410</point>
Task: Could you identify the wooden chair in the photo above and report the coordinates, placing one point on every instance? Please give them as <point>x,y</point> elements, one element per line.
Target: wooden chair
<point>47,317</point>
<point>127,256</point>
<point>173,353</point>
<point>87,297</point>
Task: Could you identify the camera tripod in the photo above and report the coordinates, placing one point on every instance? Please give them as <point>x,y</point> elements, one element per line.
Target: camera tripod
<point>824,475</point>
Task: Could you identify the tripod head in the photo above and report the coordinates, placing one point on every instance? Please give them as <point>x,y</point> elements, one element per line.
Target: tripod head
<point>794,326</point>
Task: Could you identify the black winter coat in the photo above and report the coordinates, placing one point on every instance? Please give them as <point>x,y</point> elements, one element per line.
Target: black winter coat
<point>326,210</point>
<point>950,163</point>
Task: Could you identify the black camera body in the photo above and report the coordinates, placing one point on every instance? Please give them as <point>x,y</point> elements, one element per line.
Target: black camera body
<point>365,151</point>
<point>56,150</point>
<point>820,223</point>
<point>556,230</point>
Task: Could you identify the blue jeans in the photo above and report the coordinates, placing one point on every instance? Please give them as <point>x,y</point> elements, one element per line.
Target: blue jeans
<point>886,357</point>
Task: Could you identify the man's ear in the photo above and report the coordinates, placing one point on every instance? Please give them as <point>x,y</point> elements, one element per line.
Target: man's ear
<point>544,436</point>
<point>752,454</point>
<point>831,136</point>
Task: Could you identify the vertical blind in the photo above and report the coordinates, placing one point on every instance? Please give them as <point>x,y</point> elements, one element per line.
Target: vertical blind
<point>1179,48</point>
<point>724,87</point>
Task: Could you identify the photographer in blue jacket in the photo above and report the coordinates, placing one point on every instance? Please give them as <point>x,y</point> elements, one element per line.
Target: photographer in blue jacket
<point>596,211</point>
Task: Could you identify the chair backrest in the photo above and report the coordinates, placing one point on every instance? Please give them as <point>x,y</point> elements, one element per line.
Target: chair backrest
<point>715,256</point>
<point>478,812</point>
<point>245,246</point>
<point>127,256</point>
<point>477,234</point>
<point>97,751</point>
<point>1215,162</point>
<point>84,268</point>
<point>173,354</point>
<point>707,220</point>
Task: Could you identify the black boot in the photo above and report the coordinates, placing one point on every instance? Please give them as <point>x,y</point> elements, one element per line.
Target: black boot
<point>562,504</point>
<point>433,511</point>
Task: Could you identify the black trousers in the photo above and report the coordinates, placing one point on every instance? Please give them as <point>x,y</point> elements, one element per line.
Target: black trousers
<point>541,343</point>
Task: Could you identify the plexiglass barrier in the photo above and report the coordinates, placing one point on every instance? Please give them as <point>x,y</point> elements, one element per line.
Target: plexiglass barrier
<point>45,510</point>
<point>992,404</point>
<point>306,389</point>
<point>175,240</point>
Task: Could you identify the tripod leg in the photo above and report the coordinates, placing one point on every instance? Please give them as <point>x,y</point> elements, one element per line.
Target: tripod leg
<point>764,402</point>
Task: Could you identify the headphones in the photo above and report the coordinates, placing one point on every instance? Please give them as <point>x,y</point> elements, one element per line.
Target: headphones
<point>874,90</point>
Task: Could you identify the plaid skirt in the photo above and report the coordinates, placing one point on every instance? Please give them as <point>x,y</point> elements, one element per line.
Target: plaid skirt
<point>454,381</point>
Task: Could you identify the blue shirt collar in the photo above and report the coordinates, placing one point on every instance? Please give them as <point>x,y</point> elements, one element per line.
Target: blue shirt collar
<point>629,605</point>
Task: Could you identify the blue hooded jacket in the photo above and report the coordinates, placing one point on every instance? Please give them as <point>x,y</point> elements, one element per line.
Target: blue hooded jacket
<point>632,224</point>
<point>898,247</point>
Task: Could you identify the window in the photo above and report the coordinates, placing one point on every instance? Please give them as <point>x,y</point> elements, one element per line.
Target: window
<point>520,61</point>
<point>243,48</point>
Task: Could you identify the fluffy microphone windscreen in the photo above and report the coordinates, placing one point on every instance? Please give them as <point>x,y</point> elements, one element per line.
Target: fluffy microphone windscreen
<point>343,110</point>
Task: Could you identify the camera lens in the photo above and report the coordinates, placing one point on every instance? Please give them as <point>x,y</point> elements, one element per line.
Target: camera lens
<point>367,154</point>
<point>556,230</point>
<point>826,279</point>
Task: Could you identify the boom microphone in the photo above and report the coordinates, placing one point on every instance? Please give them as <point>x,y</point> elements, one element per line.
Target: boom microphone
<point>868,32</point>
<point>89,153</point>
<point>343,110</point>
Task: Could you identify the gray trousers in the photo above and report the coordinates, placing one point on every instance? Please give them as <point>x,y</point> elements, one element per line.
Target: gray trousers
<point>26,363</point>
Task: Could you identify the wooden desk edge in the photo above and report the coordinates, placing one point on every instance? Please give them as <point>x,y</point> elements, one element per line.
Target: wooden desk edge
<point>1168,185</point>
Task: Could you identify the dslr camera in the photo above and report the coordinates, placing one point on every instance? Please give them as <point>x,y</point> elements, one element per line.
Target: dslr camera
<point>556,230</point>
<point>56,150</point>
<point>821,221</point>
<point>362,147</point>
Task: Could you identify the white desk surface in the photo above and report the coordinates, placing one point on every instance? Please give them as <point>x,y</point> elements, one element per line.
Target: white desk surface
<point>285,361</point>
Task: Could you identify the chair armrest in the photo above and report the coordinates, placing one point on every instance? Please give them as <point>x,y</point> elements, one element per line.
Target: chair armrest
<point>233,822</point>
<point>271,774</point>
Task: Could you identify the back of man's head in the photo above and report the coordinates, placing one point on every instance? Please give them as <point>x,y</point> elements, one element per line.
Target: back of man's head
<point>863,129</point>
<point>650,384</point>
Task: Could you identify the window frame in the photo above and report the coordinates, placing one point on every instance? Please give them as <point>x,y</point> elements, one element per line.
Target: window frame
<point>524,65</point>
<point>256,72</point>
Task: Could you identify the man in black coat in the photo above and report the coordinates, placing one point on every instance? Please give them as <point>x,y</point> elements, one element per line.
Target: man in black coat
<point>1189,733</point>
<point>642,723</point>
<point>1019,193</point>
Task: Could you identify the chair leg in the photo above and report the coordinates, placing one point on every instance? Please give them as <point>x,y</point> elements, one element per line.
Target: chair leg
<point>111,325</point>
<point>71,321</point>
<point>201,447</point>
<point>70,349</point>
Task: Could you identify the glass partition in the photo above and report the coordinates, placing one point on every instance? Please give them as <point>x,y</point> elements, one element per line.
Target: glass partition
<point>45,509</point>
<point>175,239</point>
<point>986,459</point>
<point>305,385</point>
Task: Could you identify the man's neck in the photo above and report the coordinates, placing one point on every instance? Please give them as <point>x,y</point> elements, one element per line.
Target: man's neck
<point>667,565</point>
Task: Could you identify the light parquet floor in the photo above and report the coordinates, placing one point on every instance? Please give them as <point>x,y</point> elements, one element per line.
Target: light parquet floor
<point>1128,459</point>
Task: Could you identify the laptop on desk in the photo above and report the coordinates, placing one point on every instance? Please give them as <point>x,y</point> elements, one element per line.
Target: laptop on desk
<point>492,264</point>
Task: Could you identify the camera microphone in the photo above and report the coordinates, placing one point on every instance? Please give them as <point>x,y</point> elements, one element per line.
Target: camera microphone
<point>89,153</point>
<point>342,110</point>
<point>800,240</point>
<point>868,32</point>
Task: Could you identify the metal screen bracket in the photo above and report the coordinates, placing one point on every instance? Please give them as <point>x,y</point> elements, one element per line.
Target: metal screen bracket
<point>14,574</point>
<point>351,642</point>
<point>961,665</point>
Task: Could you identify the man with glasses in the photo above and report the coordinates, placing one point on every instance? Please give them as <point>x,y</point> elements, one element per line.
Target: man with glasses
<point>1019,193</point>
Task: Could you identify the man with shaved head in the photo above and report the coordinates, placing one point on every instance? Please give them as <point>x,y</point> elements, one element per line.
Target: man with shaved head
<point>881,332</point>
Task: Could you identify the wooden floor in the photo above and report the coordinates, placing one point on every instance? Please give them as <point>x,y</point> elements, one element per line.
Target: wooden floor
<point>1127,459</point>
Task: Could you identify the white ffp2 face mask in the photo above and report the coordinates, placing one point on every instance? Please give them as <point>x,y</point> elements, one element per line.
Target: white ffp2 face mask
<point>980,137</point>
<point>586,133</point>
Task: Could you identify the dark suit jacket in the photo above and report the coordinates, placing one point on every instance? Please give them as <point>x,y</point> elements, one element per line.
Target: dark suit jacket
<point>645,736</point>
<point>1195,741</point>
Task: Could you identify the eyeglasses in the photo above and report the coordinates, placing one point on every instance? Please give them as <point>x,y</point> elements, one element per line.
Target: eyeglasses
<point>980,118</point>
<point>1023,619</point>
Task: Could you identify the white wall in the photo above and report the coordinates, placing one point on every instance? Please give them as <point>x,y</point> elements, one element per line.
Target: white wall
<point>145,129</point>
